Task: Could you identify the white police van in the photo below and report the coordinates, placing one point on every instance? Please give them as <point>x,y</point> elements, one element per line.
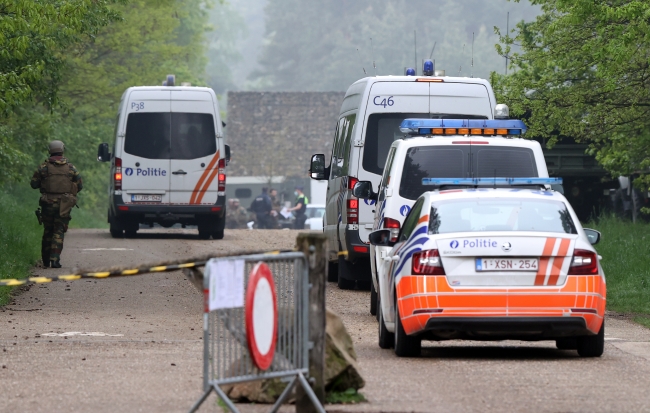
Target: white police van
<point>444,148</point>
<point>168,161</point>
<point>368,124</point>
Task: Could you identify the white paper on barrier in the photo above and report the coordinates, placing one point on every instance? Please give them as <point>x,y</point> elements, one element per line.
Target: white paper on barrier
<point>226,284</point>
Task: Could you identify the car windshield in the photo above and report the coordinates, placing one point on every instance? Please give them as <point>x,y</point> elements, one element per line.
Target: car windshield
<point>478,215</point>
<point>315,212</point>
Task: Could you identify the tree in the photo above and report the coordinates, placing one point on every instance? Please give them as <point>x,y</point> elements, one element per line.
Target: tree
<point>584,72</point>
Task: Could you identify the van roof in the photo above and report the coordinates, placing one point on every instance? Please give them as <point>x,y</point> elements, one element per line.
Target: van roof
<point>170,88</point>
<point>443,79</point>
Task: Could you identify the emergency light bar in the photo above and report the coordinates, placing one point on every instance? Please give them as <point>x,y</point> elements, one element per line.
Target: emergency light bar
<point>491,181</point>
<point>479,127</point>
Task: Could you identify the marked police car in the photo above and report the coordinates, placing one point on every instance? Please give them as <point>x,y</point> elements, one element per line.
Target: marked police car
<point>444,148</point>
<point>491,259</point>
<point>168,163</point>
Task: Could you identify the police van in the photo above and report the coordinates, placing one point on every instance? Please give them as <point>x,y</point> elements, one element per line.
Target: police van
<point>168,160</point>
<point>368,124</point>
<point>443,148</point>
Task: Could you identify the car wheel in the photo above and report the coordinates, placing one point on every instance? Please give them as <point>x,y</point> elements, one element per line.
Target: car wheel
<point>130,233</point>
<point>203,233</point>
<point>405,345</point>
<point>373,299</point>
<point>592,346</point>
<point>566,344</point>
<point>332,272</point>
<point>346,269</point>
<point>386,338</point>
<point>116,233</point>
<point>218,234</point>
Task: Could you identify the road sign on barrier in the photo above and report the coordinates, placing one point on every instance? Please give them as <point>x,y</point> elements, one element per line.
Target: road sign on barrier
<point>268,337</point>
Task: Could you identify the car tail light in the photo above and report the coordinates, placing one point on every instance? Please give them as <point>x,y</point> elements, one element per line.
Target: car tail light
<point>353,211</point>
<point>583,263</point>
<point>222,176</point>
<point>117,176</point>
<point>427,263</point>
<point>352,181</point>
<point>394,226</point>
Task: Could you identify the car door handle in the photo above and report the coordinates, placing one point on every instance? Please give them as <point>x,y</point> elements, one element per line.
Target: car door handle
<point>179,172</point>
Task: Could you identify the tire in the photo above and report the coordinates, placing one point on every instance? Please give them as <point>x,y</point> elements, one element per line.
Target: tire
<point>566,344</point>
<point>386,339</point>
<point>332,271</point>
<point>219,231</point>
<point>592,346</point>
<point>130,233</point>
<point>116,233</point>
<point>373,299</point>
<point>203,233</point>
<point>405,345</point>
<point>344,274</point>
<point>218,234</point>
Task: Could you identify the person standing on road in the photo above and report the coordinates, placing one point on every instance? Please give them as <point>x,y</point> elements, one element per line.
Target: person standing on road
<point>59,182</point>
<point>236,217</point>
<point>262,207</point>
<point>300,208</point>
<point>276,208</point>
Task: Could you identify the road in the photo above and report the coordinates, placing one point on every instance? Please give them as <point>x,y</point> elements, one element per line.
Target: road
<point>145,353</point>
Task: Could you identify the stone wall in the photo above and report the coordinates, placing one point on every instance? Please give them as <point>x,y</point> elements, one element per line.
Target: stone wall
<point>275,133</point>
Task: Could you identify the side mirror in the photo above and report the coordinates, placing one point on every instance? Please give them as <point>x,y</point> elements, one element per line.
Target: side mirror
<point>227,154</point>
<point>103,155</point>
<point>381,238</point>
<point>592,235</point>
<point>363,190</point>
<point>317,168</point>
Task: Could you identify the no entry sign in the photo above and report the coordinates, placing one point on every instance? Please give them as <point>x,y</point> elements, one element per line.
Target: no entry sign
<point>261,316</point>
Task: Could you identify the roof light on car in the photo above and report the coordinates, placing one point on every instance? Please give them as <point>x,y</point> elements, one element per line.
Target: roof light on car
<point>501,111</point>
<point>478,127</point>
<point>491,181</point>
<point>428,68</point>
<point>409,71</point>
<point>429,79</point>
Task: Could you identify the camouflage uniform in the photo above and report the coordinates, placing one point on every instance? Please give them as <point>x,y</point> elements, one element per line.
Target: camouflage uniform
<point>277,207</point>
<point>54,225</point>
<point>236,217</point>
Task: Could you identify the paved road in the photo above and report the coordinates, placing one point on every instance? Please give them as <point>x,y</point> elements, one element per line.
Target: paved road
<point>148,355</point>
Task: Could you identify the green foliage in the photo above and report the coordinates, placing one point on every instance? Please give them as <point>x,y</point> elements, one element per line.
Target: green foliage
<point>349,396</point>
<point>309,47</point>
<point>582,73</point>
<point>20,236</point>
<point>626,262</point>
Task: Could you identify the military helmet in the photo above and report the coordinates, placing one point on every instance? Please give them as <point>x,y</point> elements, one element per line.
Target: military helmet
<point>56,147</point>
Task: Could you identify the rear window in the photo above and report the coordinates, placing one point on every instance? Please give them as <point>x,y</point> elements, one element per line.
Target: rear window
<point>478,215</point>
<point>432,162</point>
<point>170,135</point>
<point>503,161</point>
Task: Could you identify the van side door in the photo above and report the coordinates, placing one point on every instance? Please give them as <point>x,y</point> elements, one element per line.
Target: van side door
<point>194,150</point>
<point>145,144</point>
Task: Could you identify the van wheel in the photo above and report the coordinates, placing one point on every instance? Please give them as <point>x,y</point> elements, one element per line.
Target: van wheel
<point>346,269</point>
<point>405,345</point>
<point>116,233</point>
<point>592,346</point>
<point>204,234</point>
<point>130,233</point>
<point>332,271</point>
<point>373,299</point>
<point>218,234</point>
<point>386,339</point>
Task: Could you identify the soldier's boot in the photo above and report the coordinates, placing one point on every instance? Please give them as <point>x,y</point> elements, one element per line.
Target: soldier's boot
<point>55,264</point>
<point>46,261</point>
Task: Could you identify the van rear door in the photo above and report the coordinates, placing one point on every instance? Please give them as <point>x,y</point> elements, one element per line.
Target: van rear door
<point>145,155</point>
<point>194,151</point>
<point>460,98</point>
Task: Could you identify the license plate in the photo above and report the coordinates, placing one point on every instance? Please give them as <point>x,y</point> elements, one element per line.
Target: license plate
<point>146,198</point>
<point>507,264</point>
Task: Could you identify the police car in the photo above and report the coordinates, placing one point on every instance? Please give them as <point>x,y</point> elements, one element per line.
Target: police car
<point>491,259</point>
<point>444,148</point>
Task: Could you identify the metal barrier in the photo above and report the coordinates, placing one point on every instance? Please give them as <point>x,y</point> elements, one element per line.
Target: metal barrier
<point>234,325</point>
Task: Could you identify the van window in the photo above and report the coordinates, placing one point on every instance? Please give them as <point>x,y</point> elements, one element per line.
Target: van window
<point>147,135</point>
<point>431,162</point>
<point>165,135</point>
<point>342,146</point>
<point>193,135</point>
<point>503,161</point>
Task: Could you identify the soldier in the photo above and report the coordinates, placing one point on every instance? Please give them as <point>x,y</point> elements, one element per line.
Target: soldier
<point>59,181</point>
<point>237,216</point>
<point>277,207</point>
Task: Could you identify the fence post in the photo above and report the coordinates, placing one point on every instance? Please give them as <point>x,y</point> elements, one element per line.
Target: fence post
<point>314,246</point>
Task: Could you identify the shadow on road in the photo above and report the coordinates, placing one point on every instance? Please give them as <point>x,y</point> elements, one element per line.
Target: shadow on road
<point>498,353</point>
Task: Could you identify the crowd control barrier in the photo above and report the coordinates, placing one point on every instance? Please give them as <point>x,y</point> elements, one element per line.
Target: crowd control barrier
<point>256,324</point>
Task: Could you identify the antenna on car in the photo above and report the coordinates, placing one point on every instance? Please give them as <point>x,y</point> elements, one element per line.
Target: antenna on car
<point>432,49</point>
<point>360,62</point>
<point>460,68</point>
<point>372,51</point>
<point>471,72</point>
<point>415,51</point>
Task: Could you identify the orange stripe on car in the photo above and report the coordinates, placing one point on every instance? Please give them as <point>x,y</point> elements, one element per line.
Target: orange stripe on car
<point>558,261</point>
<point>199,184</point>
<point>543,261</point>
<point>203,190</point>
<point>424,218</point>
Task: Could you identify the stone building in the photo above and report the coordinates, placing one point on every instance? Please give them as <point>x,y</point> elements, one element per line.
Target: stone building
<point>275,133</point>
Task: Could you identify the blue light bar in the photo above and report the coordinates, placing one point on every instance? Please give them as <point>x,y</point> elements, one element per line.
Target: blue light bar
<point>491,181</point>
<point>425,126</point>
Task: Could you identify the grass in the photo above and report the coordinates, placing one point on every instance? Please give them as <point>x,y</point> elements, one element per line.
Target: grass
<point>349,396</point>
<point>625,248</point>
<point>20,239</point>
